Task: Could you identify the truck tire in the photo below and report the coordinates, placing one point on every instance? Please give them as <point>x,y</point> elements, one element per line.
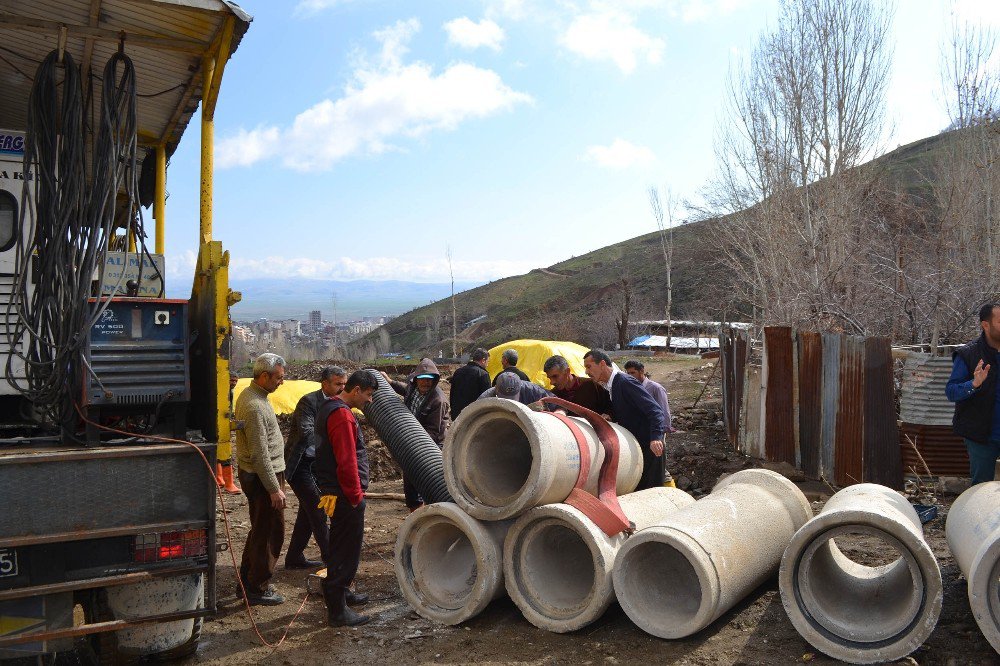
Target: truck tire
<point>184,649</point>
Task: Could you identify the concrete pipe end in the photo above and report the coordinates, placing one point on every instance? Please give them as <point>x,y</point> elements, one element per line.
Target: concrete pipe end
<point>557,568</point>
<point>849,601</point>
<point>984,590</point>
<point>666,583</point>
<point>448,564</point>
<point>784,490</point>
<point>492,459</point>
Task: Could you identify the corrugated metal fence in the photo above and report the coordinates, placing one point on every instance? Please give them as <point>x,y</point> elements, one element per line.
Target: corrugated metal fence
<point>928,443</point>
<point>824,403</point>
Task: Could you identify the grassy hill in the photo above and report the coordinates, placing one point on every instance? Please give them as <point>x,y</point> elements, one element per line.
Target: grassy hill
<point>577,299</point>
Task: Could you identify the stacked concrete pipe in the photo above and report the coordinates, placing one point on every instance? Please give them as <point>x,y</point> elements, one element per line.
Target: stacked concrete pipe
<point>973,532</point>
<point>448,564</point>
<point>853,612</point>
<point>501,459</point>
<point>557,563</point>
<point>677,577</point>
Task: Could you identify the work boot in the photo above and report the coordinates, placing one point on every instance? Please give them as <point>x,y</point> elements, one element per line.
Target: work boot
<point>227,481</point>
<point>356,598</point>
<point>268,597</point>
<point>338,613</point>
<point>301,563</point>
<point>219,480</point>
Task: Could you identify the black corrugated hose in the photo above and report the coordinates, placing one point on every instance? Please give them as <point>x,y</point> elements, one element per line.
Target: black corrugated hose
<point>408,442</point>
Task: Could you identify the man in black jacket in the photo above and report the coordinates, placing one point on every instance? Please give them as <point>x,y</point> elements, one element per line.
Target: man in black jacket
<point>300,454</point>
<point>469,381</point>
<point>973,388</point>
<point>508,361</point>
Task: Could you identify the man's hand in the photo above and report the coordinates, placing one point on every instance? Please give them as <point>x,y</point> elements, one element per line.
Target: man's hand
<point>656,446</point>
<point>384,376</point>
<point>979,374</point>
<point>278,499</point>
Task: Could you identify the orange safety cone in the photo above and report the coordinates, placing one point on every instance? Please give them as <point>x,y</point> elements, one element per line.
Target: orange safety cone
<point>219,480</point>
<point>227,476</point>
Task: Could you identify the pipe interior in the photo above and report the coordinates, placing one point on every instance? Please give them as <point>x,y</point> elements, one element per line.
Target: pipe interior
<point>556,569</point>
<point>443,565</point>
<point>853,599</point>
<point>498,460</point>
<point>661,586</point>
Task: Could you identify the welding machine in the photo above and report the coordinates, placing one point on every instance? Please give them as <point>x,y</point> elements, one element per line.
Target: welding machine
<point>136,367</point>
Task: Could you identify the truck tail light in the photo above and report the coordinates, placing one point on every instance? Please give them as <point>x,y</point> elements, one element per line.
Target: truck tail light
<point>159,546</point>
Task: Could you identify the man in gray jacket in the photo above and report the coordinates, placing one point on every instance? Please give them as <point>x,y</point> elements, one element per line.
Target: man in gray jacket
<point>260,455</point>
<point>300,454</point>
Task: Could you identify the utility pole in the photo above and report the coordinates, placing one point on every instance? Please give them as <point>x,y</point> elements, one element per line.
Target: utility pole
<point>454,323</point>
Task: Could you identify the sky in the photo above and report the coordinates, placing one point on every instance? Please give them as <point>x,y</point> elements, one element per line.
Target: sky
<point>363,139</point>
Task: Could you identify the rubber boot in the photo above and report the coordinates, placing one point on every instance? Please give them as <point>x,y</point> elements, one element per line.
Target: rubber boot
<point>338,613</point>
<point>227,478</point>
<point>221,482</point>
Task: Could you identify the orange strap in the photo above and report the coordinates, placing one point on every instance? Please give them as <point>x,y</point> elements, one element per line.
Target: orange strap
<point>604,510</point>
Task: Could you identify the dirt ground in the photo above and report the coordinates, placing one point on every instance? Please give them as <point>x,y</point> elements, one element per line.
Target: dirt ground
<point>756,631</point>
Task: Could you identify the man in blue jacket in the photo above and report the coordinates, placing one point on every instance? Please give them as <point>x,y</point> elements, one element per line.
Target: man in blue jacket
<point>973,388</point>
<point>635,410</point>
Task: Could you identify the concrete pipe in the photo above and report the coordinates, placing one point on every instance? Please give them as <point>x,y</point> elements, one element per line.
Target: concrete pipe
<point>557,563</point>
<point>448,564</point>
<point>677,577</point>
<point>878,610</point>
<point>973,532</point>
<point>501,459</point>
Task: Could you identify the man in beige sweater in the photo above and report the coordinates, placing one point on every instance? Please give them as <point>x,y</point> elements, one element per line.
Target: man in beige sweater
<point>260,453</point>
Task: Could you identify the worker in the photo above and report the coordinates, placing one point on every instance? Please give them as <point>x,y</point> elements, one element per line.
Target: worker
<point>224,452</point>
<point>508,361</point>
<point>635,410</point>
<point>580,390</point>
<point>972,386</point>
<point>260,455</point>
<point>341,470</point>
<point>300,454</point>
<point>512,387</point>
<point>469,381</point>
<point>426,401</point>
<point>638,370</point>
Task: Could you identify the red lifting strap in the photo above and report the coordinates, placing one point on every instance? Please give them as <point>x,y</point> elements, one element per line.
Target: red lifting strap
<point>604,510</point>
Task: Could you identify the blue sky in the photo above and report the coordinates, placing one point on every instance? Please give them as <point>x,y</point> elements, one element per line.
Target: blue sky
<point>356,139</point>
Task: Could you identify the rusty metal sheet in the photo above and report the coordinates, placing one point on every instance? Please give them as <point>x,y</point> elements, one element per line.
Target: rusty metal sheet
<point>941,451</point>
<point>882,462</point>
<point>750,442</point>
<point>922,399</point>
<point>810,369</point>
<point>733,356</point>
<point>830,396</point>
<point>778,395</point>
<point>848,445</point>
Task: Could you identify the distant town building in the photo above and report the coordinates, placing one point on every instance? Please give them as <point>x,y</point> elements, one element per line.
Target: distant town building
<point>315,321</point>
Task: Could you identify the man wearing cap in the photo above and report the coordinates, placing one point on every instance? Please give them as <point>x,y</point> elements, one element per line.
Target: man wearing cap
<point>469,381</point>
<point>508,360</point>
<point>512,387</point>
<point>425,400</point>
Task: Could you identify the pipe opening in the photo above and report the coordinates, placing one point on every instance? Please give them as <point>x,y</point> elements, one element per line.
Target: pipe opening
<point>498,462</point>
<point>860,567</point>
<point>556,570</point>
<point>443,565</point>
<point>661,586</point>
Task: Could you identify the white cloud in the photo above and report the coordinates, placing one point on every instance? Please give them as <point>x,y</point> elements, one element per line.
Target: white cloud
<point>310,7</point>
<point>468,34</point>
<point>612,35</point>
<point>621,154</point>
<point>374,268</point>
<point>385,101</point>
<point>692,11</point>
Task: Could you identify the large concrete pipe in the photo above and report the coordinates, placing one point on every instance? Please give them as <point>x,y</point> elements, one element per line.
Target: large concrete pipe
<point>448,564</point>
<point>557,563</point>
<point>501,459</point>
<point>862,613</point>
<point>973,532</point>
<point>675,578</point>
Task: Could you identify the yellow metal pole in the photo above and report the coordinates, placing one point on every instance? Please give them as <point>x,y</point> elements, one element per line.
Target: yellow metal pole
<point>131,241</point>
<point>207,160</point>
<point>160,199</point>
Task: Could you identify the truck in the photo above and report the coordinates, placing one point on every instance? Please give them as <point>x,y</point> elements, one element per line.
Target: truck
<point>114,399</point>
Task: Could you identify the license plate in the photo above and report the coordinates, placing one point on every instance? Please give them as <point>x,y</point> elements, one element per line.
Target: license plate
<point>8,562</point>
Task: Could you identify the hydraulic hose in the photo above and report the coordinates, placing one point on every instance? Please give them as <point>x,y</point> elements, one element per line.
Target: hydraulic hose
<point>408,442</point>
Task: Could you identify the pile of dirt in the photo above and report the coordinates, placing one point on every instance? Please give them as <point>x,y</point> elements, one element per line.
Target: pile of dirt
<point>699,453</point>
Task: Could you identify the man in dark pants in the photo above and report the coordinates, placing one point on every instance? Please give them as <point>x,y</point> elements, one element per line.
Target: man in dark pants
<point>635,410</point>
<point>973,388</point>
<point>341,470</point>
<point>469,381</point>
<point>300,453</point>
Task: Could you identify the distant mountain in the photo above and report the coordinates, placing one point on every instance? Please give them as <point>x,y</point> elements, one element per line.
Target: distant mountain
<point>295,298</point>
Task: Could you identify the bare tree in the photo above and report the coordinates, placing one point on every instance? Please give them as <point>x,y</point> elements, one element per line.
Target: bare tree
<point>968,74</point>
<point>624,312</point>
<point>665,227</point>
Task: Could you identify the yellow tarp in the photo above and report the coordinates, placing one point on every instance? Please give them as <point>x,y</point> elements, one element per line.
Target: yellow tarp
<point>532,355</point>
<point>286,397</point>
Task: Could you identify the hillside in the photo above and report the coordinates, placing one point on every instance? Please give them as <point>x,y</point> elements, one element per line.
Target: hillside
<point>577,299</point>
